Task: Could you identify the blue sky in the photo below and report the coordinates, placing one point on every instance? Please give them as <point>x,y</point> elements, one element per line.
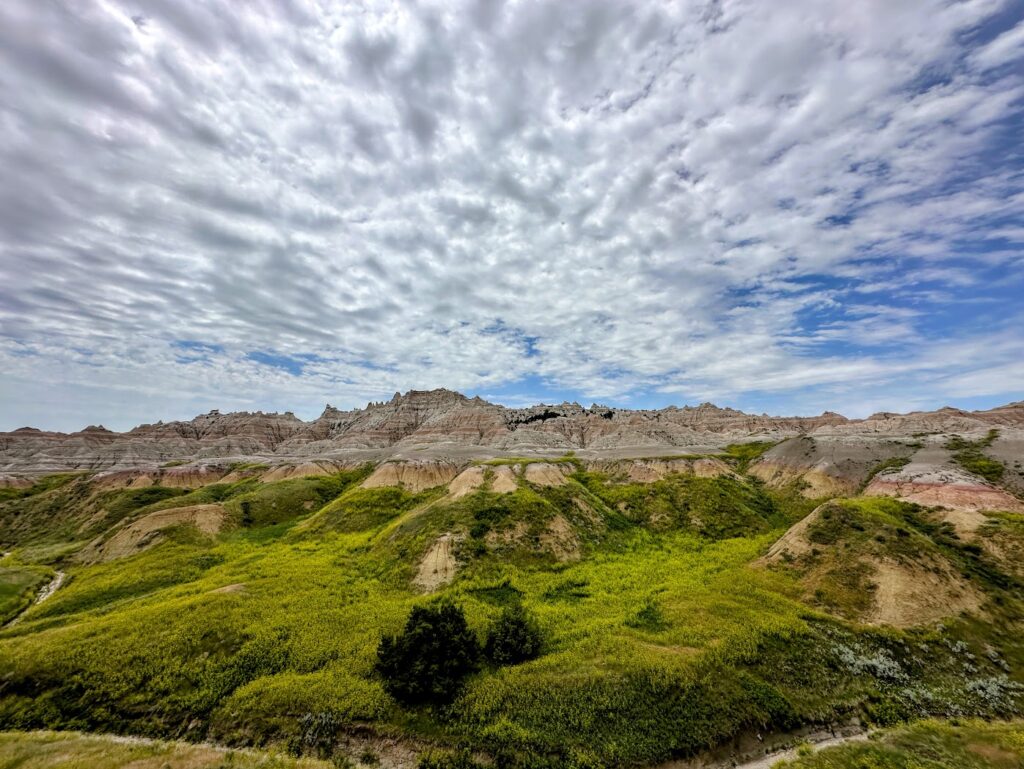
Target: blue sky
<point>784,207</point>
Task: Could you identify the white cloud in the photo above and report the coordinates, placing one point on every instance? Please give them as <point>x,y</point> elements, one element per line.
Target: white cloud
<point>615,198</point>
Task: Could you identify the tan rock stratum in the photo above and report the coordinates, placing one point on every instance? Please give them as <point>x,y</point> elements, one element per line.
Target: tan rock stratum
<point>428,438</point>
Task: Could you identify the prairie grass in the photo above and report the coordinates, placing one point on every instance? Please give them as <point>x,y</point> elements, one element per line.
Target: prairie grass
<point>970,455</point>
<point>18,586</point>
<point>662,636</point>
<point>68,750</point>
<point>926,745</point>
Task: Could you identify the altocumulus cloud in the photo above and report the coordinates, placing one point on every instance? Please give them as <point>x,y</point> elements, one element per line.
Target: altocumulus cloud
<point>790,205</point>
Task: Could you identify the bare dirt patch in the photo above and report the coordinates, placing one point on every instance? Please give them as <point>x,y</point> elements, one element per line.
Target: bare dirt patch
<point>911,594</point>
<point>513,535</point>
<point>559,539</point>
<point>412,476</point>
<point>794,542</point>
<point>468,481</point>
<point>438,566</point>
<point>546,473</point>
<point>238,587</point>
<point>503,480</point>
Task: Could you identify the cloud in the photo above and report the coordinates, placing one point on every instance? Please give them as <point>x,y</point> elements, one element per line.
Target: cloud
<point>797,204</point>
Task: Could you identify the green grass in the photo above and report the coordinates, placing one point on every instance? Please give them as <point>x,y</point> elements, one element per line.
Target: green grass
<point>18,586</point>
<point>69,509</point>
<point>268,504</point>
<point>567,458</point>
<point>970,456</point>
<point>850,534</point>
<point>743,454</point>
<point>662,637</point>
<point>712,507</point>
<point>44,484</point>
<point>363,509</point>
<point>926,745</point>
<point>892,463</point>
<point>67,750</point>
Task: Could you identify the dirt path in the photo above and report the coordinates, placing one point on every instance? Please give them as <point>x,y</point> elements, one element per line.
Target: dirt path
<point>769,761</point>
<point>755,752</point>
<point>45,592</point>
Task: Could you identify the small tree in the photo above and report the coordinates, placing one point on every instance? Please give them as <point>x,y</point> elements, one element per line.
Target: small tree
<point>514,638</point>
<point>246,513</point>
<point>428,661</point>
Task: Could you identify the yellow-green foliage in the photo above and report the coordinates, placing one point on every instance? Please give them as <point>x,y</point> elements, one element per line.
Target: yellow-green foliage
<point>742,454</point>
<point>712,507</point>
<point>970,456</point>
<point>67,750</point>
<point>18,586</point>
<point>926,745</point>
<point>361,509</point>
<point>44,484</point>
<point>272,503</point>
<point>659,640</point>
<point>71,509</point>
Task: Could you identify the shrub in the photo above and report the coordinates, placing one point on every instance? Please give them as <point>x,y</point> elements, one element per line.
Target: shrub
<point>428,661</point>
<point>514,638</point>
<point>317,732</point>
<point>649,617</point>
<point>446,759</point>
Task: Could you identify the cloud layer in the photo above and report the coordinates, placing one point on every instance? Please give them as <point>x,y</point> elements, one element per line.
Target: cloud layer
<point>792,205</point>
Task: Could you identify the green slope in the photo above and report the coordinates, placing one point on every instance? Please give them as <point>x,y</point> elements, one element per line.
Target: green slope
<point>664,634</point>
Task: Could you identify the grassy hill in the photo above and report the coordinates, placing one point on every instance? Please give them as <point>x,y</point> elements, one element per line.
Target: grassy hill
<point>666,628</point>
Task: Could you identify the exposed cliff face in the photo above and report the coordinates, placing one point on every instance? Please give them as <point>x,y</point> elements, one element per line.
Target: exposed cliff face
<point>445,423</point>
<point>910,457</point>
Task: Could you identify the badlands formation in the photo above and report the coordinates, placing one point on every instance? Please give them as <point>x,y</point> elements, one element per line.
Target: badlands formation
<point>428,438</point>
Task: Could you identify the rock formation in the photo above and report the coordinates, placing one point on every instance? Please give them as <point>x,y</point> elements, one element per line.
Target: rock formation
<point>831,453</point>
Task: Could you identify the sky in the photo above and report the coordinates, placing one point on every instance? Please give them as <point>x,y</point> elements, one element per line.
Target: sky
<point>783,207</point>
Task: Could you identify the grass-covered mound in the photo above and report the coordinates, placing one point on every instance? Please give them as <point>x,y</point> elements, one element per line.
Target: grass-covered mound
<point>71,508</point>
<point>925,745</point>
<point>880,560</point>
<point>715,508</point>
<point>362,509</point>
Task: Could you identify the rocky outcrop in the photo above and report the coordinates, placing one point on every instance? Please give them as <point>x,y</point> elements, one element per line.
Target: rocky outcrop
<point>445,424</point>
<point>825,464</point>
<point>412,476</point>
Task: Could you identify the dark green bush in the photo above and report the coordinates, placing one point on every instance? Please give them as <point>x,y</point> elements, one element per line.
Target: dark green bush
<point>428,661</point>
<point>317,733</point>
<point>514,638</point>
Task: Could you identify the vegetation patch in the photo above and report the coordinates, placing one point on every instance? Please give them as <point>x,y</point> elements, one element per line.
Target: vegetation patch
<point>56,750</point>
<point>428,661</point>
<point>716,508</point>
<point>44,484</point>
<point>268,504</point>
<point>971,457</point>
<point>892,463</point>
<point>926,745</point>
<point>18,588</point>
<point>665,636</point>
<point>362,509</point>
<point>742,455</point>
